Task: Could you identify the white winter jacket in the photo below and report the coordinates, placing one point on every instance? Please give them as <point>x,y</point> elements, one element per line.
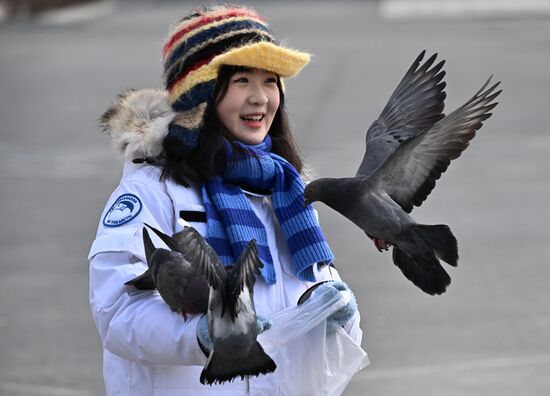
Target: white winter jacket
<point>147,348</point>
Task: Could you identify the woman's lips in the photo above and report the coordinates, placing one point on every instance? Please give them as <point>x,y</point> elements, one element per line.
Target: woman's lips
<point>254,121</point>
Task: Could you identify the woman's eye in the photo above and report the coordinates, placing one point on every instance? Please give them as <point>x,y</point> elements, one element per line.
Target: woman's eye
<point>271,80</point>
<point>240,80</point>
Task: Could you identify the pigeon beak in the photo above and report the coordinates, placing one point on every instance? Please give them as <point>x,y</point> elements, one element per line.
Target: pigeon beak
<point>306,202</point>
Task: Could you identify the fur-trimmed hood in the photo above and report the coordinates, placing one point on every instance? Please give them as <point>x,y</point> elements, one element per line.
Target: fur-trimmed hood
<point>138,122</point>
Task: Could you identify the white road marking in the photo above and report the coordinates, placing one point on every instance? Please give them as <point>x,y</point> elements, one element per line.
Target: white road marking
<point>409,9</point>
<point>453,368</point>
<point>76,14</point>
<point>10,387</point>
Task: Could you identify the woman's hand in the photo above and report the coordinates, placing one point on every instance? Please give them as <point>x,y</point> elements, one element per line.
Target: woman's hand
<point>204,338</point>
<point>329,289</point>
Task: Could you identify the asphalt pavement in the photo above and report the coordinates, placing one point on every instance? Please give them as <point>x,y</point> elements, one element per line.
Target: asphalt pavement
<point>489,334</point>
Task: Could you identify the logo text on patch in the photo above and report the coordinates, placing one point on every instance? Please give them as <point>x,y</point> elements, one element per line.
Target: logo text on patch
<point>125,208</point>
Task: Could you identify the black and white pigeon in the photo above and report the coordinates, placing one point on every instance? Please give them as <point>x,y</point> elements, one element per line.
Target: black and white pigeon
<point>407,149</point>
<point>232,320</point>
<point>180,285</point>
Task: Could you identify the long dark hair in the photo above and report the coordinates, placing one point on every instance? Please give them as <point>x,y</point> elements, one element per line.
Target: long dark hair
<point>208,159</point>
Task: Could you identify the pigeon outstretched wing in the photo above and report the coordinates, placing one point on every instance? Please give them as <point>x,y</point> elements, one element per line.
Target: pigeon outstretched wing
<point>410,173</point>
<point>414,107</point>
<point>243,276</point>
<point>194,248</point>
<point>247,267</point>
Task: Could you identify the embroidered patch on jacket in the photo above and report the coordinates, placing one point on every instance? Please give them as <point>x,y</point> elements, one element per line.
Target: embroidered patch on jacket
<point>125,208</point>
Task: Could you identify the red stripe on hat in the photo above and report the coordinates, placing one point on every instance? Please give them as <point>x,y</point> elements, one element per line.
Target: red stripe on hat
<point>205,19</point>
<point>194,66</point>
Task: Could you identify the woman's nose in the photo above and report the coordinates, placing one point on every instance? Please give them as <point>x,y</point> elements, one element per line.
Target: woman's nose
<point>257,96</point>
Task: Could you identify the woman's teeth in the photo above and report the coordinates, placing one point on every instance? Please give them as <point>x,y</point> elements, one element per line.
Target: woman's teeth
<point>253,118</point>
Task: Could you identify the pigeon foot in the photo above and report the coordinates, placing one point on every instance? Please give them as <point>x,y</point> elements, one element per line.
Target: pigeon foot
<point>380,244</point>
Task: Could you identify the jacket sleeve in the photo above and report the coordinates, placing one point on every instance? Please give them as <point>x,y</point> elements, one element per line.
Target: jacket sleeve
<point>133,324</point>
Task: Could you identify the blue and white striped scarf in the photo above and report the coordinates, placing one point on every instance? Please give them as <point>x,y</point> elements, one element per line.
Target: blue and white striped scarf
<point>232,223</point>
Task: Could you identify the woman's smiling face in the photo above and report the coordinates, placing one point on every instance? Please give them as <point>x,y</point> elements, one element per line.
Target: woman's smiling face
<point>249,105</point>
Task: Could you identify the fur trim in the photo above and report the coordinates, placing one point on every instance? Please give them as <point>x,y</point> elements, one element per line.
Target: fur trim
<point>138,122</point>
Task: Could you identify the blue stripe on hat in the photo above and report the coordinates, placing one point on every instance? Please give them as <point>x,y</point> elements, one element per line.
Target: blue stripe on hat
<point>200,93</point>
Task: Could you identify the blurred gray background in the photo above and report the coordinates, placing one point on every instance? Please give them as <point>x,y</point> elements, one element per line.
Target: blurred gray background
<point>488,335</point>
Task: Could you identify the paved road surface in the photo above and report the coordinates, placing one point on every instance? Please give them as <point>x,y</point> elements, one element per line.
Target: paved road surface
<point>488,335</point>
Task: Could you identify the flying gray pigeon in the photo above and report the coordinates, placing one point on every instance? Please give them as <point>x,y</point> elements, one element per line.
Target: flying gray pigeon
<point>232,321</point>
<point>407,149</point>
<point>181,286</point>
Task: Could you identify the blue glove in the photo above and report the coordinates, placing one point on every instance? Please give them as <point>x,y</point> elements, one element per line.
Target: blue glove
<point>329,289</point>
<point>202,335</point>
<point>206,343</point>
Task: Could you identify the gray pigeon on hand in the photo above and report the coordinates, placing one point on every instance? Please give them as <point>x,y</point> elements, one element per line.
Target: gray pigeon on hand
<point>181,286</point>
<point>407,149</point>
<point>232,320</point>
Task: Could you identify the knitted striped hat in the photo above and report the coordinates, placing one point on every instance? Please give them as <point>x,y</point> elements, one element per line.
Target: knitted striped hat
<point>202,42</point>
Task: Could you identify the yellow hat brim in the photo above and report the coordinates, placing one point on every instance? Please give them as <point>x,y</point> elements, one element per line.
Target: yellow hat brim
<point>285,62</point>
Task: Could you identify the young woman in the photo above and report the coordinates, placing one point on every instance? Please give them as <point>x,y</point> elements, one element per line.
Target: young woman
<point>215,150</point>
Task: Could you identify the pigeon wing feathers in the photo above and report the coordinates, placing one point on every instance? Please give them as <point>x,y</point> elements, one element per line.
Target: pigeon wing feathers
<point>171,279</point>
<point>148,246</point>
<point>247,266</point>
<point>410,173</point>
<point>194,248</point>
<point>202,257</point>
<point>145,281</point>
<point>243,275</point>
<point>168,240</point>
<point>414,107</point>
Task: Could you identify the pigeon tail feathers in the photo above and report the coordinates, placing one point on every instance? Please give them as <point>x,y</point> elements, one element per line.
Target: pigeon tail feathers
<point>425,272</point>
<point>441,240</point>
<point>221,368</point>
